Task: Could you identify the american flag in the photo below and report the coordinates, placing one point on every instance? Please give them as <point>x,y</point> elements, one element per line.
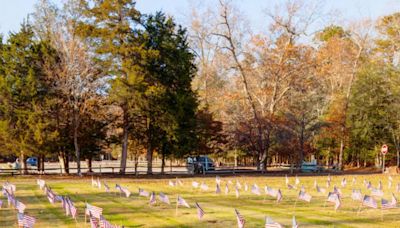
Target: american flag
<point>297,180</point>
<point>164,198</point>
<point>337,190</point>
<point>246,187</point>
<point>182,202</point>
<point>385,204</point>
<point>369,185</point>
<point>380,187</point>
<point>354,181</point>
<point>398,187</point>
<point>289,186</point>
<point>270,191</point>
<point>237,192</point>
<point>230,182</point>
<point>51,196</point>
<point>1,203</point>
<point>73,210</point>
<point>315,183</point>
<point>152,198</point>
<point>171,183</point>
<point>126,192</point>
<point>25,221</point>
<point>20,207</point>
<point>279,196</point>
<point>321,190</point>
<point>218,179</point>
<point>226,189</point>
<point>286,180</point>
<point>238,185</point>
<point>41,183</point>
<point>218,189</point>
<point>304,196</point>
<point>369,202</point>
<point>143,193</point>
<point>334,198</point>
<point>200,211</point>
<point>106,187</point>
<point>294,223</point>
<point>179,182</point>
<point>93,221</point>
<point>204,186</point>
<point>269,223</point>
<point>98,183</point>
<point>390,184</point>
<point>356,195</point>
<point>328,183</point>
<point>195,184</point>
<point>106,224</point>
<point>20,218</point>
<point>303,188</point>
<point>240,219</point>
<point>344,182</point>
<point>94,183</point>
<point>93,210</point>
<point>255,190</point>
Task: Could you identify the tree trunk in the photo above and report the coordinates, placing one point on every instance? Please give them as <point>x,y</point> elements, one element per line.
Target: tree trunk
<point>162,163</point>
<point>62,162</point>
<point>42,165</point>
<point>341,149</point>
<point>24,167</point>
<point>39,163</point>
<point>149,155</point>
<point>66,162</point>
<point>136,164</point>
<point>76,145</point>
<point>89,164</point>
<point>124,153</point>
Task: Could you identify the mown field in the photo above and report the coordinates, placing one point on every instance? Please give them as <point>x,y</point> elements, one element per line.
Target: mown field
<point>135,211</point>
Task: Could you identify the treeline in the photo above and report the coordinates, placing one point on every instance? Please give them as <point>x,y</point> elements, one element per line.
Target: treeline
<point>98,77</point>
<point>292,90</point>
<point>79,79</point>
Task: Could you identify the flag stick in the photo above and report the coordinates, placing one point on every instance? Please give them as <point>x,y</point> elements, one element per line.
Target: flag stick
<point>359,209</point>
<point>176,210</point>
<point>295,203</point>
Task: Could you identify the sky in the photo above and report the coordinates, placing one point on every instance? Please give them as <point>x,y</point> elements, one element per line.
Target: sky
<point>12,12</point>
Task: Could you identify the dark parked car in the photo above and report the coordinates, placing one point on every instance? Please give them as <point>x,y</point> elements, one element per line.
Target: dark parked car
<point>200,164</point>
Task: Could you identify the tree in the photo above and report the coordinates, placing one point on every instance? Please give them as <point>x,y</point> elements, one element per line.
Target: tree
<point>24,95</point>
<point>111,28</point>
<point>170,104</point>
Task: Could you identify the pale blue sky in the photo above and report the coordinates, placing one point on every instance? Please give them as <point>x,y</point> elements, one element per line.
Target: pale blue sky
<point>12,12</point>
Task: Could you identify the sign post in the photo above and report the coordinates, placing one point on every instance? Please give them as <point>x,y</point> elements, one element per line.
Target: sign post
<point>384,151</point>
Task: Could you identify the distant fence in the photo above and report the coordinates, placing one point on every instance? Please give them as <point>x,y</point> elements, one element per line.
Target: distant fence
<point>156,169</point>
<point>141,169</point>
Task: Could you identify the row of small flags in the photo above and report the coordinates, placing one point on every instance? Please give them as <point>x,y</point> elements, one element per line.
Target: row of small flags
<point>269,223</point>
<point>66,202</point>
<point>24,220</point>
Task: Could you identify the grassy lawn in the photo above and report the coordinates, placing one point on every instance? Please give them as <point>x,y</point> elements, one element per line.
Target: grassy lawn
<point>136,212</point>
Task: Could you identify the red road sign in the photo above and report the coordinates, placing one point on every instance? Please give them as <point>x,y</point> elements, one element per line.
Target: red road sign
<point>384,149</point>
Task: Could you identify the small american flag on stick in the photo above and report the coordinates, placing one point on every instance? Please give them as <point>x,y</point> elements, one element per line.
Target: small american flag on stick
<point>182,202</point>
<point>200,211</point>
<point>240,219</point>
<point>369,202</point>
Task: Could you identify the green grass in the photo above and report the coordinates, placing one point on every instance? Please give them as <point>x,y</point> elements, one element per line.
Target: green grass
<point>136,212</point>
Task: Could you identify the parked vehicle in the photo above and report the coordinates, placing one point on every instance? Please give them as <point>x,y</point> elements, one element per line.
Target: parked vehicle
<point>32,161</point>
<point>200,164</point>
<point>310,167</point>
